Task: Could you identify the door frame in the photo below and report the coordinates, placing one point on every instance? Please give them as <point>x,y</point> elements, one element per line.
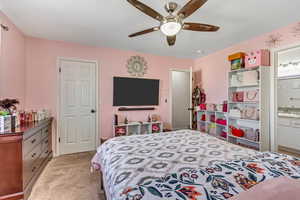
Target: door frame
<point>273,94</point>
<point>58,121</point>
<point>170,91</point>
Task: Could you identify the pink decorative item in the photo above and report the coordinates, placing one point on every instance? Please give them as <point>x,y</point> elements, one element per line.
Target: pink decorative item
<point>257,58</point>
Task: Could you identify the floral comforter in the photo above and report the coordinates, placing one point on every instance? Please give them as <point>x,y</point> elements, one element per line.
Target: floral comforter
<point>137,159</point>
<point>217,182</point>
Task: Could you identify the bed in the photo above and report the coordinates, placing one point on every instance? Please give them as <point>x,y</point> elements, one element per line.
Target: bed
<point>138,159</point>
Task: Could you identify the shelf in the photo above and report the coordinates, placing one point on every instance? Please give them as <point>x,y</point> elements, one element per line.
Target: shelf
<point>248,120</point>
<point>225,126</point>
<point>242,138</point>
<point>211,111</point>
<point>245,86</point>
<point>244,102</point>
<point>244,70</point>
<point>209,122</point>
<point>217,136</point>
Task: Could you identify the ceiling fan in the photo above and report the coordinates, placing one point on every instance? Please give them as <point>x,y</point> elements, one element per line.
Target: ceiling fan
<point>173,23</point>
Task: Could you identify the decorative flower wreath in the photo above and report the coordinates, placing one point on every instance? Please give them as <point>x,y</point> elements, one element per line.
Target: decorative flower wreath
<point>137,66</point>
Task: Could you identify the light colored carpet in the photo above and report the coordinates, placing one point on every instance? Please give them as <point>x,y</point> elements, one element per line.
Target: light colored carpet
<point>68,177</point>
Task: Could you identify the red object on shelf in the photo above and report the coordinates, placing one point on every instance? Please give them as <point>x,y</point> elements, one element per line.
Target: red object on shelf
<point>213,118</point>
<point>237,132</point>
<point>221,121</point>
<point>203,117</point>
<point>202,106</point>
<point>223,134</point>
<point>225,106</point>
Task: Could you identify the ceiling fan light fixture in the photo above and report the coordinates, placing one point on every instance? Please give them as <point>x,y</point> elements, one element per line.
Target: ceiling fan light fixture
<point>170,28</point>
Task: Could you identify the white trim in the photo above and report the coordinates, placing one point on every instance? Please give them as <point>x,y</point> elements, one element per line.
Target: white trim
<point>273,94</point>
<point>170,91</point>
<point>98,123</point>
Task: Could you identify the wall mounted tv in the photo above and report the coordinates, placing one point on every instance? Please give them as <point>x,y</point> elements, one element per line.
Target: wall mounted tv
<point>135,92</point>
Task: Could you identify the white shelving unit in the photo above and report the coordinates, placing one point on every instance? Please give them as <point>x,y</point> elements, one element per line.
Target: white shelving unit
<point>262,105</point>
<point>137,128</point>
<point>210,126</point>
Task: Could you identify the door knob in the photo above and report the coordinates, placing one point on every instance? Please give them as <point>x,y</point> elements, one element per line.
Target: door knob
<point>93,111</point>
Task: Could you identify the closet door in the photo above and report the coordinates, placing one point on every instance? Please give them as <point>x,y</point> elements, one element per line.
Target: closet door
<point>77,106</point>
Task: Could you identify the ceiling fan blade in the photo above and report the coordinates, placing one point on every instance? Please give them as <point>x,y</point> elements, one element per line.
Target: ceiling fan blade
<point>144,32</point>
<point>171,40</point>
<point>191,7</point>
<point>146,9</point>
<point>200,27</point>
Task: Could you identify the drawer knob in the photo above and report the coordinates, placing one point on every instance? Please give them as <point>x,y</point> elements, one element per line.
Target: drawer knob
<point>33,155</point>
<point>33,141</point>
<point>33,169</point>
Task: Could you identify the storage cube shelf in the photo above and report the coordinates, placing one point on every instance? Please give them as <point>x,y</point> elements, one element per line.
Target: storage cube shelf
<point>136,128</point>
<point>255,126</point>
<point>208,124</point>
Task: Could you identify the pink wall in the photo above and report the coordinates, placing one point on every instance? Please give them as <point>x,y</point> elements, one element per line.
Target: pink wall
<point>214,67</point>
<point>41,76</point>
<point>12,62</point>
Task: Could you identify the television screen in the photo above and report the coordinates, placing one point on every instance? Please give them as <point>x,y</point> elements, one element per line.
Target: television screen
<point>135,92</point>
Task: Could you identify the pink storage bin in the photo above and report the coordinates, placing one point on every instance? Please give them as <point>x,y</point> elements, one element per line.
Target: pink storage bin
<point>257,58</point>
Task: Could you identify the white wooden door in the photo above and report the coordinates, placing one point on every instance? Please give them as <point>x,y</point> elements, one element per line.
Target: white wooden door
<point>181,100</point>
<point>77,106</point>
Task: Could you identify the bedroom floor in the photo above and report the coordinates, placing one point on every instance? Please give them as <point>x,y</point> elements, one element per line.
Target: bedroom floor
<point>68,177</point>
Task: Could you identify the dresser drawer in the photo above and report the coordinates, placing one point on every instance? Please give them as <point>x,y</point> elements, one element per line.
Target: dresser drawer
<point>31,162</point>
<point>31,142</point>
<point>45,144</point>
<point>45,154</point>
<point>45,132</point>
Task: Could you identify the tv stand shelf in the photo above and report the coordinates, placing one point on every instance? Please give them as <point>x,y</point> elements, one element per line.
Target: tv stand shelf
<point>137,128</point>
<point>135,109</point>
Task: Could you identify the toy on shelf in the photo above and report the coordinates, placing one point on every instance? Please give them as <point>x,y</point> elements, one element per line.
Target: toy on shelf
<point>223,134</point>
<point>221,122</point>
<point>257,58</point>
<point>236,131</point>
<point>203,117</point>
<point>120,131</point>
<point>155,128</point>
<point>212,118</point>
<point>237,60</point>
<point>202,106</point>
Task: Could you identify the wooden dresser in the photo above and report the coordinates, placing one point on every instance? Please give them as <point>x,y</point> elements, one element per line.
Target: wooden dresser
<point>24,153</point>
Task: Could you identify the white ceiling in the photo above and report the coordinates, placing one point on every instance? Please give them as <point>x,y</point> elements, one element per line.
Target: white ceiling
<point>108,23</point>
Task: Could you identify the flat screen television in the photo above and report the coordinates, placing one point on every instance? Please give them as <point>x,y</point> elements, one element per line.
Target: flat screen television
<point>135,92</point>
